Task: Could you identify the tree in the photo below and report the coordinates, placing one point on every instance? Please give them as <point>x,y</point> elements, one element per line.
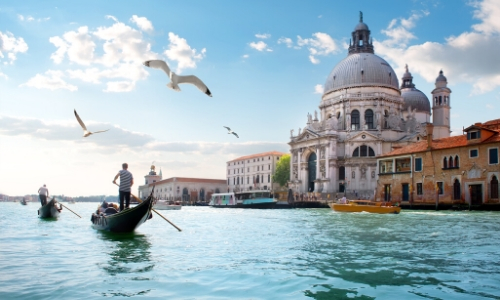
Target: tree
<point>282,173</point>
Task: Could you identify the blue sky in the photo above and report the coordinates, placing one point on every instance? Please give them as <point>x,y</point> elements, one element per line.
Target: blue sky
<point>265,63</point>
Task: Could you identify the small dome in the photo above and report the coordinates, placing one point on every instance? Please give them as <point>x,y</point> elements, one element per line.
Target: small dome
<point>361,69</point>
<point>441,77</point>
<point>415,99</point>
<point>361,26</point>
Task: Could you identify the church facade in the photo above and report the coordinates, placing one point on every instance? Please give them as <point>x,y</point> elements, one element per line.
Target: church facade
<point>363,113</point>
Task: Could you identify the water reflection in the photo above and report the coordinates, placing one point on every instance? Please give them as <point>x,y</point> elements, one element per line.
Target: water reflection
<point>129,253</point>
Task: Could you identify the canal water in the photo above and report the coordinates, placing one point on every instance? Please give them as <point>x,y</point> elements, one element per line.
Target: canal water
<point>252,254</point>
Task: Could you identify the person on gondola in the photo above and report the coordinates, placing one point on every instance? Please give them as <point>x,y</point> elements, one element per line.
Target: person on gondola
<point>126,182</point>
<point>43,193</point>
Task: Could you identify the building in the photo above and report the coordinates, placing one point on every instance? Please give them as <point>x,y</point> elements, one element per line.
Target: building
<point>457,169</point>
<point>187,190</point>
<point>363,114</point>
<point>252,172</point>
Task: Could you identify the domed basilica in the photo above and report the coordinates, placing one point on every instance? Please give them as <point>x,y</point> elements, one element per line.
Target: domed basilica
<point>363,113</point>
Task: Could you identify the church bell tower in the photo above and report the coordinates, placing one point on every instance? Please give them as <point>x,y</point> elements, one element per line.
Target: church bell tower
<point>441,107</point>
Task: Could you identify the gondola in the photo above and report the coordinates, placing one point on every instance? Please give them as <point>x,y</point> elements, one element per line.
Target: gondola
<point>50,210</point>
<point>126,220</point>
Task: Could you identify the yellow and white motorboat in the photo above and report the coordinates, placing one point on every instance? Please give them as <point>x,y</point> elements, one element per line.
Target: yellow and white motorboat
<point>367,206</point>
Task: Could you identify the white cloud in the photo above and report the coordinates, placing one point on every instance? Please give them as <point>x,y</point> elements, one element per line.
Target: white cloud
<point>263,36</point>
<point>110,55</point>
<point>287,41</point>
<point>10,46</point>
<point>31,19</point>
<point>179,50</point>
<point>489,106</point>
<point>142,22</point>
<point>259,46</point>
<point>318,89</point>
<point>320,45</point>
<point>246,56</point>
<point>77,45</point>
<point>52,80</point>
<point>466,58</point>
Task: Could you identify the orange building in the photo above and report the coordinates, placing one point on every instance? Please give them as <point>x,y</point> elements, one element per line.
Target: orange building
<point>455,170</point>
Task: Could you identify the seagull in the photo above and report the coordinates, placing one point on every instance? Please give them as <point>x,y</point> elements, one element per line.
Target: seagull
<point>177,79</point>
<point>86,133</point>
<point>230,131</point>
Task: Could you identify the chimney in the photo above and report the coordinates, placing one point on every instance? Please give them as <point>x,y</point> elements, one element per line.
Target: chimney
<point>430,129</point>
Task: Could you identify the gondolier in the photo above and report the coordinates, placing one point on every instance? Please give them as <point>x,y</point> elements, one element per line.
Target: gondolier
<point>126,182</point>
<point>43,193</point>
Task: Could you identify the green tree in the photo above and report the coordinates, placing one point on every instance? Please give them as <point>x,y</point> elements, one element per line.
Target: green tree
<point>282,173</point>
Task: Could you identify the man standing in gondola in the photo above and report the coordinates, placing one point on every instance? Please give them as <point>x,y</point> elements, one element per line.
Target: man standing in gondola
<point>126,182</point>
<point>43,193</point>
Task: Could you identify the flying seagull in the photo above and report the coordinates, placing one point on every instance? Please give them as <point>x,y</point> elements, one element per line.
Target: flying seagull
<point>175,79</point>
<point>229,131</point>
<point>86,133</point>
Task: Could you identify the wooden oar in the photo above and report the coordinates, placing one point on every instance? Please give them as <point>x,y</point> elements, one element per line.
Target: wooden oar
<point>139,200</point>
<point>69,209</point>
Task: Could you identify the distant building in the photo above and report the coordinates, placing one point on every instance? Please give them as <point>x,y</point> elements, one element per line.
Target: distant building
<point>363,113</point>
<point>449,170</point>
<point>252,172</point>
<point>188,190</point>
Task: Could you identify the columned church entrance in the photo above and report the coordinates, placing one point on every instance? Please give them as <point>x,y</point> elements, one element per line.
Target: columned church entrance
<point>311,166</point>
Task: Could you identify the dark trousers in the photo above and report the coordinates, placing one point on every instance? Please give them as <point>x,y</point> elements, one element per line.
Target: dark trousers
<point>124,196</point>
<point>43,199</point>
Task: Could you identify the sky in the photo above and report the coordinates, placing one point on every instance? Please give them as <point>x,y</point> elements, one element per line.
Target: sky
<point>265,63</point>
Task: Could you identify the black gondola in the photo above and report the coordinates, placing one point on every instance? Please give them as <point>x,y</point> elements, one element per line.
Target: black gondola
<point>50,210</point>
<point>126,220</point>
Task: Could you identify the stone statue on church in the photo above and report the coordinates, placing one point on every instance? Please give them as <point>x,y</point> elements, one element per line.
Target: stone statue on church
<point>291,133</point>
<point>348,122</point>
<point>315,115</point>
<point>309,118</point>
<point>299,130</point>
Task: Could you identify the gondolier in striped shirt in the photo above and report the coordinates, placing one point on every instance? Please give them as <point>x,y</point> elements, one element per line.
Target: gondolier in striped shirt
<point>126,182</point>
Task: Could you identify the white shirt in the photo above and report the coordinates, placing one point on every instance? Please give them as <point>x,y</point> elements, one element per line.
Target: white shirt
<point>43,191</point>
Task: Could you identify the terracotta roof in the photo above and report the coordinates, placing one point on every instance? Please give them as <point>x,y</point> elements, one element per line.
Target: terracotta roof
<point>270,153</point>
<point>443,143</point>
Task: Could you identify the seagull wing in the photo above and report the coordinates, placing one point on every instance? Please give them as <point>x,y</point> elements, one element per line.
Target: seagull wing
<point>235,134</point>
<point>100,131</point>
<point>80,121</point>
<point>227,128</point>
<point>196,81</point>
<point>158,64</point>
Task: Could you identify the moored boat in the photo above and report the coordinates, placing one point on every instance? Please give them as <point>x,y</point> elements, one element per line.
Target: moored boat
<point>167,205</point>
<point>23,202</point>
<point>366,206</point>
<point>50,210</point>
<point>247,199</point>
<point>126,220</point>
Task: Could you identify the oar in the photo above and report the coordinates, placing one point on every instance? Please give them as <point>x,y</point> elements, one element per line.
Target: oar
<point>69,209</point>
<point>139,200</point>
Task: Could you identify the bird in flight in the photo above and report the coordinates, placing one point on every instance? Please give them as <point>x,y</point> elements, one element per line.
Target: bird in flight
<point>229,131</point>
<point>86,133</point>
<point>175,79</point>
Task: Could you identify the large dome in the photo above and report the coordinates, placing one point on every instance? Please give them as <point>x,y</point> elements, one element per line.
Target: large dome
<point>361,69</point>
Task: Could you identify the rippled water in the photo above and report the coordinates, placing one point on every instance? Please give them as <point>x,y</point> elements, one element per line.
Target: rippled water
<point>252,254</point>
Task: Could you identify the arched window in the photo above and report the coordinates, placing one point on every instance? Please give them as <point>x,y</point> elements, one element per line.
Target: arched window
<point>386,117</point>
<point>456,164</point>
<point>341,173</point>
<point>450,162</point>
<point>202,194</point>
<point>355,120</point>
<point>445,163</point>
<point>363,151</point>
<point>238,180</point>
<point>456,190</point>
<point>494,187</point>
<point>440,100</point>
<point>369,118</point>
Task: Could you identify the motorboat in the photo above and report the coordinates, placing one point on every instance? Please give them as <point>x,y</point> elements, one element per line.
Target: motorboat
<point>366,206</point>
<point>167,205</point>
